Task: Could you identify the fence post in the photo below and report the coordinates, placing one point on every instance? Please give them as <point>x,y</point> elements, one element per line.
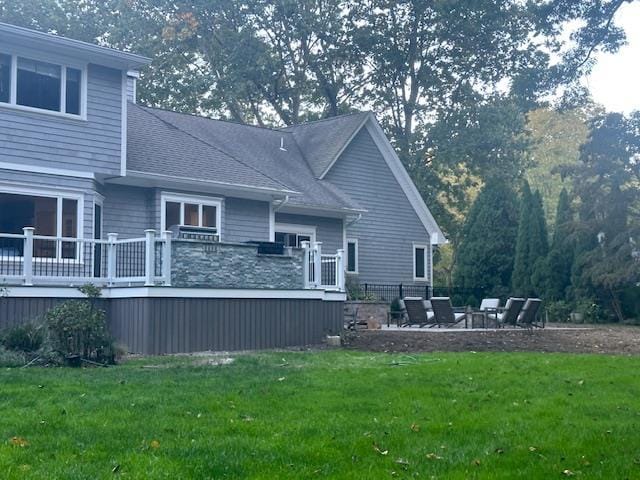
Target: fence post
<point>27,255</point>
<point>317,267</point>
<point>340,269</point>
<point>150,256</point>
<point>400,291</point>
<point>112,238</point>
<point>306,259</point>
<point>166,257</point>
<point>366,289</point>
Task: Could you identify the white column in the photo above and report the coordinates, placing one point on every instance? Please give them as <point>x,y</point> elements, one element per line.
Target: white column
<point>166,257</point>
<point>27,255</point>
<point>150,257</point>
<point>305,263</point>
<point>112,239</point>
<point>340,269</point>
<point>317,267</point>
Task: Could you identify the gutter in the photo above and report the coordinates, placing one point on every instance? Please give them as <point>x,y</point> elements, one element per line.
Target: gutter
<point>282,203</point>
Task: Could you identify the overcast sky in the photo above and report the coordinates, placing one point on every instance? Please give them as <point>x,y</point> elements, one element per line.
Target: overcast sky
<point>615,80</point>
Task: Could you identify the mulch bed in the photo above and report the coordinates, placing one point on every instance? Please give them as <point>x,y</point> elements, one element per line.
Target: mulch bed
<point>622,340</point>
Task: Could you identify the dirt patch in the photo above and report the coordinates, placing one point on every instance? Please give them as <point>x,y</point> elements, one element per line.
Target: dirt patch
<point>624,340</point>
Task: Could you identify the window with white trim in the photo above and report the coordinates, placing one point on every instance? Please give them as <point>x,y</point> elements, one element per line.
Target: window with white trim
<point>52,216</point>
<point>293,235</point>
<point>191,211</point>
<point>38,85</point>
<point>420,262</point>
<point>352,255</point>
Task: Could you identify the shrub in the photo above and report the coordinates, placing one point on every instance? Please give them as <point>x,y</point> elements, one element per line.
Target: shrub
<point>10,358</point>
<point>591,311</point>
<point>559,311</point>
<point>24,338</point>
<point>78,329</point>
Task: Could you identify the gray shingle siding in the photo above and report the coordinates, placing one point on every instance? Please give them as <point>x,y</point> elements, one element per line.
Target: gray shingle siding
<point>387,231</point>
<point>41,139</point>
<point>328,231</point>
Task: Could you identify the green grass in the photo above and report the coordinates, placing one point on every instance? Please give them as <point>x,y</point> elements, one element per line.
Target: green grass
<point>331,414</point>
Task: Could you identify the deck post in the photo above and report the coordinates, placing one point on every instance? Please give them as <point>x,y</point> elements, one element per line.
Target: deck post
<point>317,266</point>
<point>166,257</point>
<point>112,238</point>
<point>305,263</point>
<point>27,255</point>
<point>150,256</point>
<point>340,269</point>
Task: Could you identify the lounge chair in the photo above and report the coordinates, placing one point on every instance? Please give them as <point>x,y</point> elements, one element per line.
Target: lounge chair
<point>509,314</point>
<point>399,316</point>
<point>527,318</point>
<point>444,314</point>
<point>417,314</point>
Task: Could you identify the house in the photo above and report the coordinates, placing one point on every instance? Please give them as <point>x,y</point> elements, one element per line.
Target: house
<point>204,233</point>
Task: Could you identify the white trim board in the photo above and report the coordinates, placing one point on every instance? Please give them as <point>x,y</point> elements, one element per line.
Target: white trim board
<point>19,167</point>
<point>173,292</point>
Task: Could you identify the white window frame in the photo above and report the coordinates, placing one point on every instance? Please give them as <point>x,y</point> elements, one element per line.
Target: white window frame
<point>346,267</point>
<point>426,258</point>
<point>291,228</point>
<point>192,199</point>
<point>59,195</point>
<point>63,64</point>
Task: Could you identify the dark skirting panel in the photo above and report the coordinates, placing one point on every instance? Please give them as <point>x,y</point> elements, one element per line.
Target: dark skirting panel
<point>180,325</point>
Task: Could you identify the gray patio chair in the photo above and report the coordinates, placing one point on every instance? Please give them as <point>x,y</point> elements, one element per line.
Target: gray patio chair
<point>350,317</point>
<point>490,306</point>
<point>509,314</point>
<point>399,316</point>
<point>417,314</point>
<point>527,318</point>
<point>444,314</point>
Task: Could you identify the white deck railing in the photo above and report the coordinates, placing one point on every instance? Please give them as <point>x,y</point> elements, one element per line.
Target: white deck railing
<point>30,259</point>
<point>321,270</point>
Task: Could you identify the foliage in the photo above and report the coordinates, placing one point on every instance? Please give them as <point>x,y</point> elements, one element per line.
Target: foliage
<point>78,329</point>
<point>486,252</point>
<point>558,311</point>
<point>11,358</point>
<point>607,185</point>
<point>23,338</point>
<point>165,422</point>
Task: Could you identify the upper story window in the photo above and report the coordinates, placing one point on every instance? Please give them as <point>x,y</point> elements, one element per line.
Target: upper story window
<point>27,83</point>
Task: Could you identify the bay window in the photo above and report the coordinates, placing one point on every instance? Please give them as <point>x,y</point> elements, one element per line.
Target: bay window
<point>34,84</point>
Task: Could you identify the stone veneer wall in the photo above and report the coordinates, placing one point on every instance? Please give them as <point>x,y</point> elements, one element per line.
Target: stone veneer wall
<point>227,265</point>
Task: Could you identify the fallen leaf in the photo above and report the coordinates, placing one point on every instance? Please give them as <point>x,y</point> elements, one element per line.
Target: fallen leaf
<point>433,456</point>
<point>568,473</point>
<point>499,451</point>
<point>402,461</point>
<point>154,444</point>
<point>378,450</point>
<point>281,379</point>
<point>115,469</point>
<point>415,428</point>
<point>19,442</point>
<point>532,449</point>
<point>25,467</point>
<point>476,462</point>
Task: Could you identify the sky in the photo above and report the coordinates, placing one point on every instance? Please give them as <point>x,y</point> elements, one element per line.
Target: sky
<point>615,80</point>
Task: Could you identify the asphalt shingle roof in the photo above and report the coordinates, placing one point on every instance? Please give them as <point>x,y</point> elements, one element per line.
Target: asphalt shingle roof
<point>183,145</point>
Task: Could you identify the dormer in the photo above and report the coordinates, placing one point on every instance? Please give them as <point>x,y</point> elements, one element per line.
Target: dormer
<point>64,102</point>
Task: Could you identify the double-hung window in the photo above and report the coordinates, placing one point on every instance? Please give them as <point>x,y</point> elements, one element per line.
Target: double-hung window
<point>420,262</point>
<point>191,211</point>
<point>50,215</point>
<point>31,84</point>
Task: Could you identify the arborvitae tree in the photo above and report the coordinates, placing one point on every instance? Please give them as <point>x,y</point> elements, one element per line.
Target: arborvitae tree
<point>538,244</point>
<point>521,279</point>
<point>556,276</point>
<point>486,251</point>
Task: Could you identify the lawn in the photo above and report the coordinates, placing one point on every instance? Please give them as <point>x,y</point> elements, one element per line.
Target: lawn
<point>331,414</point>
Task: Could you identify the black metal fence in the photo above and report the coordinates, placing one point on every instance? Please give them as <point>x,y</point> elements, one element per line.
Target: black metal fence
<point>389,292</point>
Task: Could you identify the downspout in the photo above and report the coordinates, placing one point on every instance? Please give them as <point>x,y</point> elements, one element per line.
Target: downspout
<point>357,219</point>
<point>281,204</point>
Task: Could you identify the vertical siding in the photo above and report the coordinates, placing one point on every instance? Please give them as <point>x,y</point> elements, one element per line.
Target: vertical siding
<point>328,230</point>
<point>387,231</point>
<point>180,325</point>
<point>128,211</point>
<point>53,141</point>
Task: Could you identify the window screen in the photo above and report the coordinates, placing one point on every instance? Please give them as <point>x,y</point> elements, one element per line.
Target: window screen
<point>38,84</point>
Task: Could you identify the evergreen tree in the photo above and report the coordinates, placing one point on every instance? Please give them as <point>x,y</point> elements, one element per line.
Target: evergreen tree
<point>538,245</point>
<point>521,279</point>
<point>485,255</point>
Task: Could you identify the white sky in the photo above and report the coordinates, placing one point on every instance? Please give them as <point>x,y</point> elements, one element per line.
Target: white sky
<point>615,80</point>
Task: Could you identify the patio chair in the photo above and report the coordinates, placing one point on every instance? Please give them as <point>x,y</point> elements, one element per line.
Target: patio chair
<point>527,318</point>
<point>399,316</point>
<point>509,314</point>
<point>444,314</point>
<point>350,317</point>
<point>489,307</point>
<point>417,314</point>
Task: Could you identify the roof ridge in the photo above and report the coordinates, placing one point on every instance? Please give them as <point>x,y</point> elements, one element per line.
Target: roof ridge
<point>328,119</point>
<point>219,149</point>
